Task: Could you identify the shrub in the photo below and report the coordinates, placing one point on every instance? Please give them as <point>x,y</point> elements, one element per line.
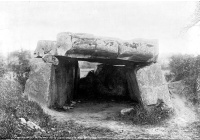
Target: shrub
<point>182,66</point>
<point>142,116</point>
<point>2,67</point>
<point>14,106</point>
<point>19,63</point>
<point>187,69</point>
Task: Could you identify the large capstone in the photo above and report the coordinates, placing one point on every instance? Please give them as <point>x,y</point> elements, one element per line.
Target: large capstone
<point>87,46</point>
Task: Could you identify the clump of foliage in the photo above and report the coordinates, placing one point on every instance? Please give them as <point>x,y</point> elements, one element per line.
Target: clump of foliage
<point>19,63</point>
<point>2,67</point>
<point>142,116</point>
<point>187,69</point>
<point>14,106</point>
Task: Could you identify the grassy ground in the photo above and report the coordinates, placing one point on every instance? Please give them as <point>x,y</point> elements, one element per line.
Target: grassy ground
<point>141,116</point>
<point>14,106</point>
<point>95,120</point>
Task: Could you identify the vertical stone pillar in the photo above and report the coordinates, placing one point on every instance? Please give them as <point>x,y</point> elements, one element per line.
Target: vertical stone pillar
<point>133,85</point>
<point>76,78</point>
<point>66,80</point>
<point>40,86</point>
<point>152,85</point>
<point>52,83</point>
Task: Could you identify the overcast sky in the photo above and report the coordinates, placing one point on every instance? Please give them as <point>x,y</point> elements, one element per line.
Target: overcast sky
<point>22,24</point>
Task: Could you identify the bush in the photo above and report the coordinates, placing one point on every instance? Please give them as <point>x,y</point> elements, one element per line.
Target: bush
<point>187,69</point>
<point>2,67</point>
<point>142,116</point>
<point>13,106</point>
<point>19,63</point>
<point>182,66</point>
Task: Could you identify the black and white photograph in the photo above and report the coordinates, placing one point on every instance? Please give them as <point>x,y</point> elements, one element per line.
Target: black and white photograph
<point>100,69</point>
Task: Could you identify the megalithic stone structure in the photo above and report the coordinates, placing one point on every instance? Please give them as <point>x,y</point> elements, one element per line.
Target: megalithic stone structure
<point>55,73</point>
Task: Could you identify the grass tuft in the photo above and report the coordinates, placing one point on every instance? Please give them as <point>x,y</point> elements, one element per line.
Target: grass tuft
<point>142,116</point>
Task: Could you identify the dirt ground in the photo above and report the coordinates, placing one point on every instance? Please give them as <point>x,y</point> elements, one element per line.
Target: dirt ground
<point>102,115</point>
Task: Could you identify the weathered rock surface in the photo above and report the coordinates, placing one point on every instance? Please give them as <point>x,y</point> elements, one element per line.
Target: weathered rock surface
<point>54,79</point>
<point>52,85</point>
<point>46,47</point>
<point>133,88</point>
<point>31,124</point>
<point>65,80</point>
<point>152,85</point>
<point>50,59</point>
<point>126,111</point>
<point>22,120</point>
<point>88,46</point>
<point>40,86</point>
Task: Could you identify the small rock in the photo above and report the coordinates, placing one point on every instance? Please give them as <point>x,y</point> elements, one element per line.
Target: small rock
<point>43,130</point>
<point>73,102</point>
<point>126,111</point>
<point>67,107</point>
<point>32,125</point>
<point>53,129</point>
<point>22,120</point>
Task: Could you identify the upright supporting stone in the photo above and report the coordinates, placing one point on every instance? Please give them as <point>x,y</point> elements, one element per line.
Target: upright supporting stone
<point>133,85</point>
<point>152,85</point>
<point>76,78</point>
<point>40,86</point>
<point>66,83</point>
<point>52,84</point>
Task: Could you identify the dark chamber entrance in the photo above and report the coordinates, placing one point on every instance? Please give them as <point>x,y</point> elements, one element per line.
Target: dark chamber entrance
<point>104,83</point>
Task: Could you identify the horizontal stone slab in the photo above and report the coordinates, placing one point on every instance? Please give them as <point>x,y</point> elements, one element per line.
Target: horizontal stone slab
<point>89,46</point>
<point>45,47</point>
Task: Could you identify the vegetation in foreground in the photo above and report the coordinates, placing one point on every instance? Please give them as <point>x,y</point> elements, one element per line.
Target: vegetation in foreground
<point>185,68</point>
<point>14,106</point>
<point>141,116</point>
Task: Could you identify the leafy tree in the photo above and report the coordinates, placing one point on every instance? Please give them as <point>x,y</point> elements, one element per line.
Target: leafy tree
<point>19,63</point>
